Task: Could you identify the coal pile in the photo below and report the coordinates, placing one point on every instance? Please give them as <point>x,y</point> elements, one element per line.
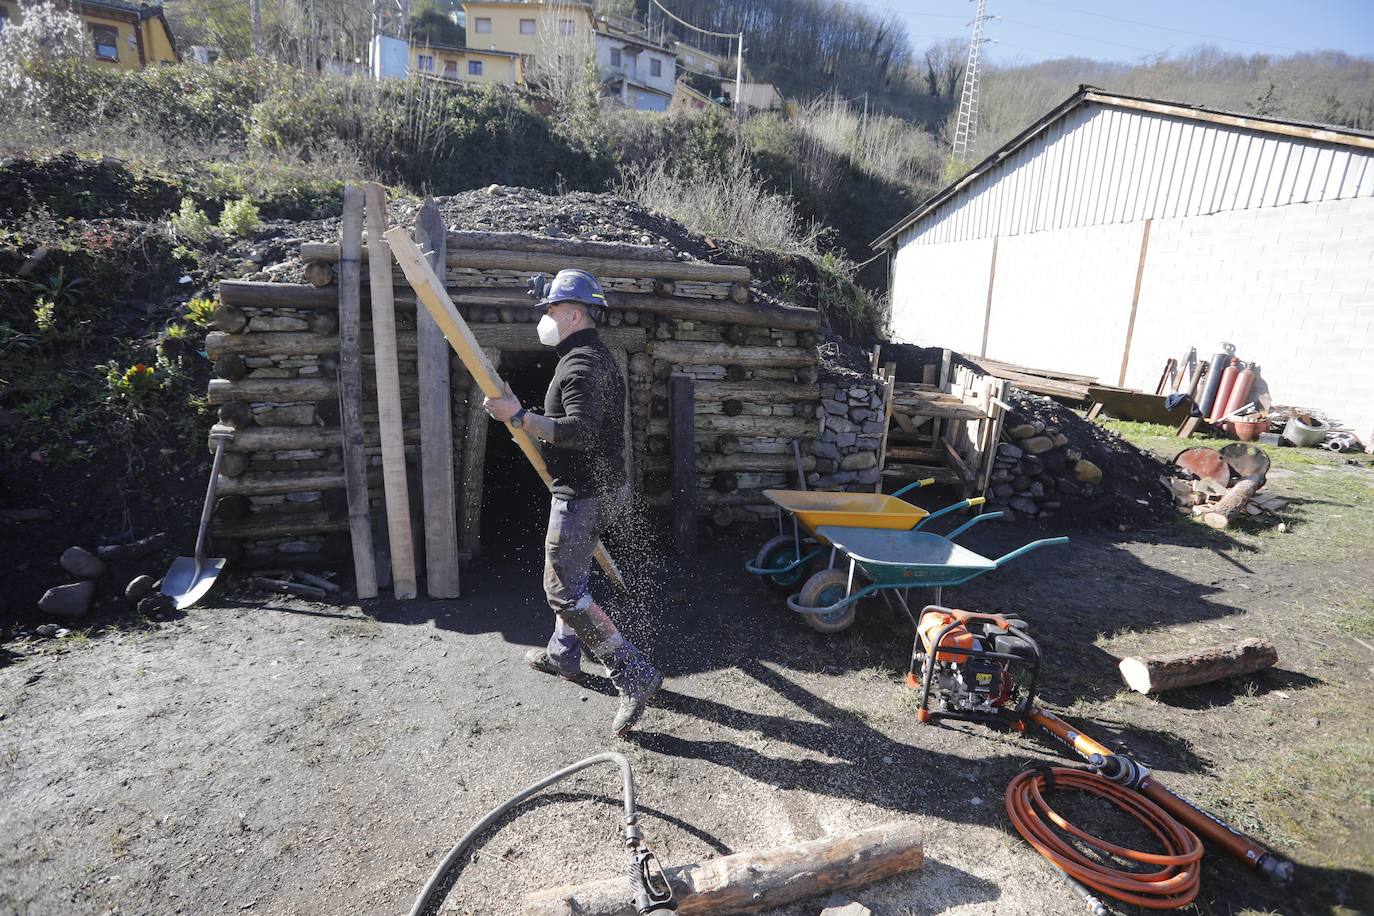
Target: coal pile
<point>1053,464</point>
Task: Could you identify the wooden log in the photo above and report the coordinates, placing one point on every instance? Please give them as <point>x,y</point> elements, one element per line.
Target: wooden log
<point>229,319</point>
<point>278,295</point>
<point>237,414</point>
<point>890,377</point>
<point>319,273</point>
<point>737,334</point>
<point>1159,673</point>
<point>665,288</point>
<point>394,476</point>
<point>267,484</point>
<point>232,508</point>
<point>474,467</point>
<point>323,323</point>
<point>430,290</point>
<point>725,481</point>
<point>781,427</point>
<point>350,391</point>
<point>517,241</point>
<point>750,882</point>
<point>727,444</point>
<point>807,375</point>
<point>943,410</point>
<point>268,343</point>
<point>683,447</point>
<point>732,407</point>
<point>551,263</point>
<point>682,353</point>
<point>436,427</point>
<point>279,525</point>
<point>760,392</point>
<point>665,305</point>
<point>739,293</point>
<point>231,366</point>
<point>1233,503</point>
<point>233,463</point>
<point>270,390</point>
<point>523,338</point>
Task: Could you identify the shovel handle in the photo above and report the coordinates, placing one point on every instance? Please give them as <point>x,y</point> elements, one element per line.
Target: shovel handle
<point>220,437</point>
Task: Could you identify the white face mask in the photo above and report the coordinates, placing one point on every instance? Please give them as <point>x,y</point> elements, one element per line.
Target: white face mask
<point>549,333</point>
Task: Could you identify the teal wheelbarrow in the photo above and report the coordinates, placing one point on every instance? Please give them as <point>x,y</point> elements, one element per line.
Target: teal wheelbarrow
<point>893,562</point>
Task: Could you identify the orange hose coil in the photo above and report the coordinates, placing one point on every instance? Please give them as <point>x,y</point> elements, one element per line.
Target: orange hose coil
<point>1173,885</point>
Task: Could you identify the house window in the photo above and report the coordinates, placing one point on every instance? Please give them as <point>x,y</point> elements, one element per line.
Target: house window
<point>567,27</point>
<point>474,68</point>
<point>655,67</point>
<point>483,25</point>
<point>425,63</point>
<point>526,26</point>
<point>450,69</point>
<point>615,57</point>
<point>106,42</point>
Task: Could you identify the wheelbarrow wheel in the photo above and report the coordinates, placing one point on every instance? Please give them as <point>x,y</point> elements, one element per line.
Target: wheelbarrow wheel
<point>778,552</point>
<point>825,588</point>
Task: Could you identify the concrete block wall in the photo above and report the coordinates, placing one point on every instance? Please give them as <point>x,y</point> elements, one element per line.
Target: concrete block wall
<point>940,294</point>
<point>1292,287</point>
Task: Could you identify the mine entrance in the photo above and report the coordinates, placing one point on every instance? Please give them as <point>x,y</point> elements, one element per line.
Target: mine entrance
<point>515,502</point>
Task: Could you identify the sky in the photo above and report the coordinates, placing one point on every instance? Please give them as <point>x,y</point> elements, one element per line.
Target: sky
<point>1127,32</point>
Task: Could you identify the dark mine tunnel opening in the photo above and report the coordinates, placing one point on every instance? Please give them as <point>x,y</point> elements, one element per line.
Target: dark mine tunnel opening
<point>515,502</point>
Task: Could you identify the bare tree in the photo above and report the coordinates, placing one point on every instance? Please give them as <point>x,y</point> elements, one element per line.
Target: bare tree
<point>564,68</point>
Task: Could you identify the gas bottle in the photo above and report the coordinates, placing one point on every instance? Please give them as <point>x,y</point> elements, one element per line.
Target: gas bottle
<point>1228,381</point>
<point>1209,392</point>
<point>1240,391</point>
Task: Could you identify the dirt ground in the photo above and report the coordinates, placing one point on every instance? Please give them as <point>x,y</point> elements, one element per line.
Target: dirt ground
<point>281,756</point>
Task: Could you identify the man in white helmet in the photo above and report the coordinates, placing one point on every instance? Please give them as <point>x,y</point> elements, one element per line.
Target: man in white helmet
<point>583,443</point>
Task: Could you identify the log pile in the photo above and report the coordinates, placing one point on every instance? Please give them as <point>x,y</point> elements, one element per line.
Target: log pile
<point>276,358</point>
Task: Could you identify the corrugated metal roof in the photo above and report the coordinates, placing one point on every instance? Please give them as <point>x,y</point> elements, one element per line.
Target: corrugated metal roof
<point>1101,159</point>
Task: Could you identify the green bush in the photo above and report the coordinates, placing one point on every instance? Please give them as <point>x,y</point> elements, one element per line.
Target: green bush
<point>191,223</point>
<point>240,217</point>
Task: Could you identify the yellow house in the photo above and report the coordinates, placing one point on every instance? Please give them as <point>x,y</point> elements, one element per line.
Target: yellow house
<point>529,29</point>
<point>129,36</point>
<point>466,65</point>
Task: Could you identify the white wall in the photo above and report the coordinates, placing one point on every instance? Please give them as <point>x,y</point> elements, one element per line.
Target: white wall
<point>1292,287</point>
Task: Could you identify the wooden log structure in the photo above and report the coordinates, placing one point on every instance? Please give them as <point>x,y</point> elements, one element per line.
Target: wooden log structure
<point>689,353</point>
<point>1160,673</point>
<point>755,881</point>
<point>1221,514</point>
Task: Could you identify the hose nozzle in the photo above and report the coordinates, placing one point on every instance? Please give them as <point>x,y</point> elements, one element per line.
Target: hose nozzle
<point>649,883</point>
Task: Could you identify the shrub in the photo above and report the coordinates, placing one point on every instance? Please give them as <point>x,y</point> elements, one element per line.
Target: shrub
<point>240,217</point>
<point>191,223</point>
<point>200,312</point>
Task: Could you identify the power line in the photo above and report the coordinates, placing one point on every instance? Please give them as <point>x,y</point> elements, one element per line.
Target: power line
<point>1041,28</point>
<point>1165,28</point>
<point>669,13</point>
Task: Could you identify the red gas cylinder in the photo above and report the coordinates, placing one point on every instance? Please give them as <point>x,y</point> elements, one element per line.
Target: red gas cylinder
<point>1228,380</point>
<point>1240,391</point>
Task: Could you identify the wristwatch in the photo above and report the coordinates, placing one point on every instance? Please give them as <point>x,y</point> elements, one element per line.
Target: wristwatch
<point>518,420</point>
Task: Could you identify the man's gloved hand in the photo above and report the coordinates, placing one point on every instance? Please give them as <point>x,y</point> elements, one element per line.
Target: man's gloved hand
<point>504,407</point>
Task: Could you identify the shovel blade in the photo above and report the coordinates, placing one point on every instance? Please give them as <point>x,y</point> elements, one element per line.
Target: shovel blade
<point>182,583</point>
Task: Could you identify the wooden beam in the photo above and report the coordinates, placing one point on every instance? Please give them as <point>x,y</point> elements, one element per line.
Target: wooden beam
<point>260,525</point>
<point>753,314</point>
<point>271,390</point>
<point>754,881</point>
<point>430,290</point>
<point>277,295</point>
<point>272,482</point>
<point>1158,673</point>
<point>746,425</point>
<point>890,381</point>
<point>622,362</point>
<point>758,392</point>
<point>436,427</point>
<point>519,241</point>
<point>350,392</point>
<point>987,311</point>
<point>683,445</point>
<point>394,478</point>
<point>921,471</point>
<point>524,337</point>
<point>481,259</point>
<point>689,353</point>
<point>1135,301</point>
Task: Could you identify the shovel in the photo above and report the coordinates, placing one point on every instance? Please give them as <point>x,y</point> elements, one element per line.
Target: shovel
<point>189,578</point>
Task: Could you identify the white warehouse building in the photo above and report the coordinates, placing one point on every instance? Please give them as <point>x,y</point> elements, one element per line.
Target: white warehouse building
<point>1116,232</point>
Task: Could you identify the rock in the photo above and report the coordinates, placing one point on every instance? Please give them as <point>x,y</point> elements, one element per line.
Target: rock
<point>870,475</point>
<point>138,588</point>
<point>1021,431</point>
<point>825,449</point>
<point>846,440</point>
<point>858,461</point>
<point>840,425</point>
<point>120,553</point>
<point>1021,483</point>
<point>156,604</point>
<point>1030,466</point>
<point>868,442</point>
<point>68,600</point>
<point>861,416</point>
<point>873,427</point>
<point>1022,504</point>
<point>1050,505</point>
<point>1053,460</point>
<point>838,408</point>
<point>1001,476</point>
<point>81,563</point>
<point>1037,489</point>
<point>1072,454</point>
<point>1066,486</point>
<point>1060,440</point>
<point>859,395</point>
<point>1037,444</point>
<point>1007,450</point>
<point>48,630</point>
<point>262,323</point>
<point>1002,490</point>
<point>1087,472</point>
<point>825,465</point>
<point>1039,426</point>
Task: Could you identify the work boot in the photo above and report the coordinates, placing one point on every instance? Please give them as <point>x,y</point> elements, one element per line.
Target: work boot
<point>634,700</point>
<point>540,660</point>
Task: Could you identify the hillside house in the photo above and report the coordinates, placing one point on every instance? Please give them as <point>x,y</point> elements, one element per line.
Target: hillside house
<point>530,29</point>
<point>639,72</point>
<point>1116,232</point>
<point>466,65</point>
<point>695,60</point>
<point>754,96</point>
<point>684,96</point>
<point>129,36</point>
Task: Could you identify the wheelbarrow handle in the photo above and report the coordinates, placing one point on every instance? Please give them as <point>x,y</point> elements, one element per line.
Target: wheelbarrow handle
<point>985,517</point>
<point>1027,548</point>
<point>915,485</point>
<point>956,507</point>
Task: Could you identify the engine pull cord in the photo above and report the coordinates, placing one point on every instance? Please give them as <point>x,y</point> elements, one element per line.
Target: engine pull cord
<point>648,883</point>
<point>1174,884</point>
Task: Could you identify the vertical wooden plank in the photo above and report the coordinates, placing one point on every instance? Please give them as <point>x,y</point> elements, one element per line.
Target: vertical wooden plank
<point>351,391</point>
<point>682,440</point>
<point>889,378</point>
<point>622,361</point>
<point>474,465</point>
<point>1135,301</point>
<point>987,311</point>
<point>436,425</point>
<point>389,397</point>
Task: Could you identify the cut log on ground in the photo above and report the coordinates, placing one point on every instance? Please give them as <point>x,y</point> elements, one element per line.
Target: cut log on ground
<point>1158,673</point>
<point>750,882</point>
<point>1230,505</point>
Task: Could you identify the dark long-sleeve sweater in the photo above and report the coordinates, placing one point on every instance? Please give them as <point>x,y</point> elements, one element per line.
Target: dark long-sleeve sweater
<point>586,401</point>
